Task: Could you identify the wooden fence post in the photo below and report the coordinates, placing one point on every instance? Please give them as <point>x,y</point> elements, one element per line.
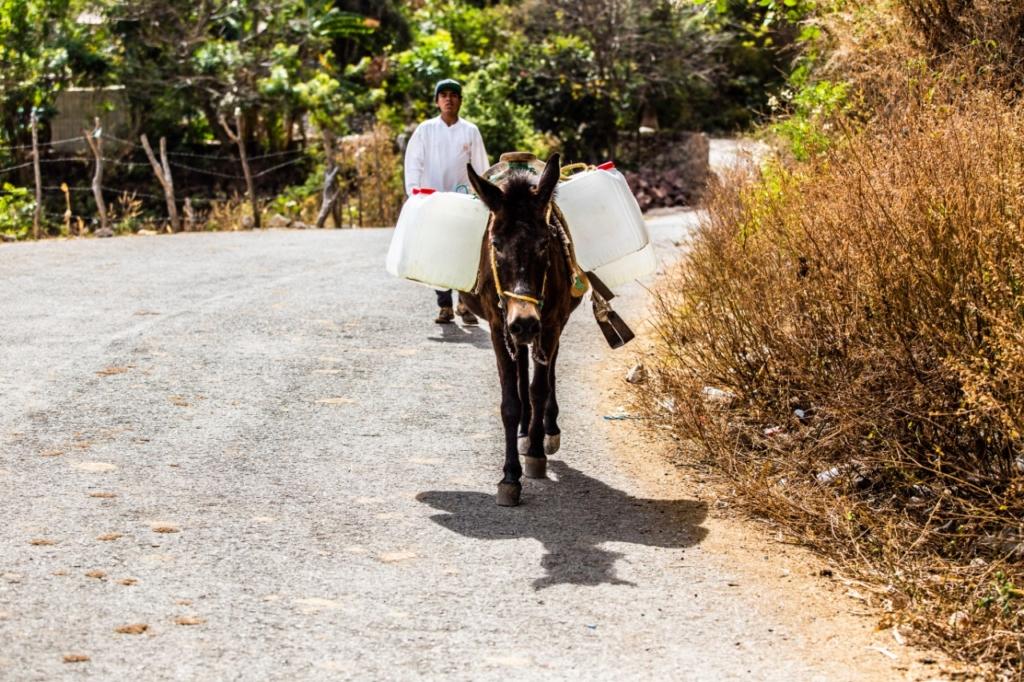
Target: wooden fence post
<point>67,209</point>
<point>38,213</point>
<point>330,181</point>
<point>377,176</point>
<point>189,215</point>
<point>95,141</point>
<point>238,137</point>
<point>162,171</point>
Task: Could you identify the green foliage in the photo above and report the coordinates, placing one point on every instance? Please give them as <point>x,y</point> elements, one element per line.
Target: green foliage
<point>42,50</point>
<point>300,201</point>
<point>581,72</point>
<point>762,41</point>
<point>474,30</point>
<point>812,109</point>
<point>558,80</point>
<point>417,69</point>
<point>275,59</point>
<point>490,104</point>
<point>593,70</point>
<point>1003,595</point>
<point>767,12</point>
<point>538,75</point>
<point>16,209</point>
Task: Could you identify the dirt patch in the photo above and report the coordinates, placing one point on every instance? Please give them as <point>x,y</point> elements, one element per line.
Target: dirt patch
<point>111,371</point>
<point>164,527</point>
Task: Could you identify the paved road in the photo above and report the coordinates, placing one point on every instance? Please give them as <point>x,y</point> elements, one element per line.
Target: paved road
<point>264,435</point>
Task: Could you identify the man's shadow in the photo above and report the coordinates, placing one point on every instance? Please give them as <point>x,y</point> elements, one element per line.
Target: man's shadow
<point>571,517</point>
<point>474,334</point>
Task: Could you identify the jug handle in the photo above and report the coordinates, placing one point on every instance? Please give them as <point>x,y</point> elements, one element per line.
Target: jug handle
<point>571,169</point>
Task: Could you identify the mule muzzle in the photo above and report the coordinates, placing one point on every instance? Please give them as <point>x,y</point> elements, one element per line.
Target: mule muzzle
<point>523,322</point>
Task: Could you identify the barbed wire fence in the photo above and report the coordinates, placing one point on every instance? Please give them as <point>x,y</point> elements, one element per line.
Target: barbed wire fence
<point>165,165</point>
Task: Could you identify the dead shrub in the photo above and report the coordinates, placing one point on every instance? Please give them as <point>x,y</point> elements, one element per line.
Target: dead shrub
<point>860,318</point>
<point>989,33</point>
<point>371,175</point>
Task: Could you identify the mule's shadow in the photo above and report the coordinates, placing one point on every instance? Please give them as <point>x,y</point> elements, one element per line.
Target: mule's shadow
<point>475,335</point>
<point>572,517</point>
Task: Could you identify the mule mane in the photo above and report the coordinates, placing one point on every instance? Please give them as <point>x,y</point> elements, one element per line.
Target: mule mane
<point>518,190</point>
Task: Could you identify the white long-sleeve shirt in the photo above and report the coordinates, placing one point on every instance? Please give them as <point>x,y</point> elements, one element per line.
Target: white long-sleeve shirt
<point>437,154</point>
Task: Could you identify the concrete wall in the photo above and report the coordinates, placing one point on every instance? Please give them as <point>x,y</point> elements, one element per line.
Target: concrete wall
<point>76,109</point>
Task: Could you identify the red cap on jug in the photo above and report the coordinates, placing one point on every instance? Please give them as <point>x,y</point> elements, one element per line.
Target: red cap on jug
<point>607,165</point>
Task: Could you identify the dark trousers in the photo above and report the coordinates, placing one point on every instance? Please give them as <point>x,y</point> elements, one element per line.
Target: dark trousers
<point>444,298</point>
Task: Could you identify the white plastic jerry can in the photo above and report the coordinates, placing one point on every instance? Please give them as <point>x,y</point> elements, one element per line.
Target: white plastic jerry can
<point>603,216</point>
<point>437,240</point>
<point>629,268</point>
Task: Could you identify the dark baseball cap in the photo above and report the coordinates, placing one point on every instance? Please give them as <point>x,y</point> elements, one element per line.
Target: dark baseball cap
<point>447,84</point>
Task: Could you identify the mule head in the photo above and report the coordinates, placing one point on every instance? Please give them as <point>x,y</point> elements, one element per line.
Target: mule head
<point>521,244</point>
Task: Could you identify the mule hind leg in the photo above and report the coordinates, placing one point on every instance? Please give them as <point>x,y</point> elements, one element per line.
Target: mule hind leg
<point>552,434</point>
<point>541,397</point>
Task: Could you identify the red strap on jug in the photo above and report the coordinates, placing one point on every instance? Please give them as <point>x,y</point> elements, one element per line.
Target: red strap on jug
<point>607,165</point>
<point>423,190</point>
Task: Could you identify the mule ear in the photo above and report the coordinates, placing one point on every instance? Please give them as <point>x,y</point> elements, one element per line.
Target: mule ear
<point>488,192</point>
<point>548,179</point>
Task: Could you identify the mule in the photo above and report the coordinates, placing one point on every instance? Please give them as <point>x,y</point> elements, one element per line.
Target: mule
<point>524,292</point>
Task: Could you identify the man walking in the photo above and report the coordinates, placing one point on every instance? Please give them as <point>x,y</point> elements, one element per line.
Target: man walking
<point>436,157</point>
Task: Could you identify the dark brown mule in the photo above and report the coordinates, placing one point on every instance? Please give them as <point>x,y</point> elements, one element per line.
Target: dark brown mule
<point>523,292</point>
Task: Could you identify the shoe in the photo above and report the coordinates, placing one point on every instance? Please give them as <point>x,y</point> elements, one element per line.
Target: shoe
<point>467,316</point>
<point>445,315</point>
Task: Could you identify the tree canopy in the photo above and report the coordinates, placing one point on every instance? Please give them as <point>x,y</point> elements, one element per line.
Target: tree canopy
<point>540,75</point>
<point>573,74</point>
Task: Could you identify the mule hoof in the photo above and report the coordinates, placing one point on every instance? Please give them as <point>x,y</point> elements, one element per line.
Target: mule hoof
<point>535,467</point>
<point>508,494</point>
<point>552,443</point>
<point>524,445</point>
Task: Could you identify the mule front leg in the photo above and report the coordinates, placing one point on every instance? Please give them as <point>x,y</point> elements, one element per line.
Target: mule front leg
<point>523,371</point>
<point>510,488</point>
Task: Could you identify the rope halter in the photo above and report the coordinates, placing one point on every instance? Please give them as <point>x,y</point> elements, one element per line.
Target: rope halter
<point>501,291</point>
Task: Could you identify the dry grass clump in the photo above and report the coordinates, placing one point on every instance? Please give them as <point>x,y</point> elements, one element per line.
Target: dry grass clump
<point>845,340</point>
<point>234,213</point>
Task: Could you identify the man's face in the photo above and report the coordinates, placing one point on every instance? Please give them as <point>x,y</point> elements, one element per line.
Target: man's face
<point>449,102</point>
